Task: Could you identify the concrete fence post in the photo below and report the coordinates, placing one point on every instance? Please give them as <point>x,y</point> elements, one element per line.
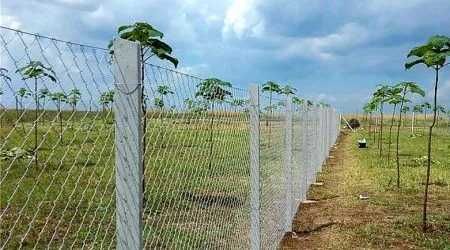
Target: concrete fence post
<point>288,163</point>
<point>255,192</point>
<point>128,144</point>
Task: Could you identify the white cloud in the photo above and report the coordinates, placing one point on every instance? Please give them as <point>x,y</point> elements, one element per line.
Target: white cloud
<point>328,46</point>
<point>10,21</point>
<point>243,19</point>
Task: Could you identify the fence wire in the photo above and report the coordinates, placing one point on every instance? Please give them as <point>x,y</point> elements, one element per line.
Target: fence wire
<point>196,164</point>
<point>57,183</point>
<point>57,154</point>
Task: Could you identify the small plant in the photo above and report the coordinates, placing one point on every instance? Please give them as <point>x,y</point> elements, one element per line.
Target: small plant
<point>59,98</point>
<point>43,94</point>
<point>271,87</point>
<point>406,87</point>
<point>73,97</point>
<point>434,55</point>
<point>416,109</point>
<point>106,100</point>
<point>380,96</point>
<point>36,70</point>
<point>213,90</point>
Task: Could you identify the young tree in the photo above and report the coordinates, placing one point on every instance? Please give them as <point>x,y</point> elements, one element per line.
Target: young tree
<point>434,55</point>
<point>380,96</point>
<point>271,87</point>
<point>106,99</point>
<point>22,93</point>
<point>73,97</point>
<point>237,103</point>
<point>151,43</point>
<point>406,88</point>
<point>36,70</point>
<point>43,94</point>
<point>426,106</point>
<point>369,108</point>
<point>59,98</point>
<point>287,90</point>
<point>416,109</point>
<point>213,90</point>
<point>404,111</point>
<point>440,110</point>
<point>393,98</point>
<point>163,90</point>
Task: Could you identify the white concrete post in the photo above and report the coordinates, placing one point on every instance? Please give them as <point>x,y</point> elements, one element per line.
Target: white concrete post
<point>255,192</point>
<point>288,163</point>
<point>128,144</point>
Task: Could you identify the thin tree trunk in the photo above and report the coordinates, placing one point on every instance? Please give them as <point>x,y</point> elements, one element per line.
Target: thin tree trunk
<point>412,123</point>
<point>36,124</point>
<point>398,140</point>
<point>211,142</point>
<point>60,122</point>
<point>270,117</point>
<point>425,202</point>
<point>380,139</point>
<point>390,135</point>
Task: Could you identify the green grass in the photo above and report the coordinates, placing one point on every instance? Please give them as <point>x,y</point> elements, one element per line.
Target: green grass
<point>69,198</point>
<point>403,206</point>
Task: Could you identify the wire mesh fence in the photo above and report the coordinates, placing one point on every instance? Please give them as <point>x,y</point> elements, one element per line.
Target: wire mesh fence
<point>67,154</point>
<point>57,183</point>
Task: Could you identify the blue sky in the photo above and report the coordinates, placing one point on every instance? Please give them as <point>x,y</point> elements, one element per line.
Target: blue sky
<point>335,51</point>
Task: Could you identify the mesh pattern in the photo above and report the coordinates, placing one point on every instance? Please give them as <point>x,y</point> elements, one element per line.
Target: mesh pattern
<point>57,183</point>
<point>196,164</point>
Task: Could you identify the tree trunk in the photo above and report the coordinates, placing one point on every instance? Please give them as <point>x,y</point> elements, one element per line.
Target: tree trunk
<point>412,123</point>
<point>425,202</point>
<point>398,140</point>
<point>211,142</point>
<point>36,111</point>
<point>60,122</point>
<point>390,135</point>
<point>380,139</point>
<point>270,117</point>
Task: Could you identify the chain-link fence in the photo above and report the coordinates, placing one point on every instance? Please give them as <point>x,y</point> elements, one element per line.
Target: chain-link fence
<point>102,150</point>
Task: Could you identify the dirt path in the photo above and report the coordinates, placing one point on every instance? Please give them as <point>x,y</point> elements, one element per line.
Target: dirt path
<point>327,223</point>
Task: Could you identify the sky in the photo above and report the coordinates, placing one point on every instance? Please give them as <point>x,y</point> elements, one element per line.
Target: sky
<point>331,51</point>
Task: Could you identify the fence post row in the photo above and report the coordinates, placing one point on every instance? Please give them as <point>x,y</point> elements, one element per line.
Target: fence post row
<point>128,143</point>
<point>316,128</point>
<point>255,199</point>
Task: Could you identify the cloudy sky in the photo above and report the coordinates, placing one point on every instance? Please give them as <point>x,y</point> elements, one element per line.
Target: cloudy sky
<point>336,51</point>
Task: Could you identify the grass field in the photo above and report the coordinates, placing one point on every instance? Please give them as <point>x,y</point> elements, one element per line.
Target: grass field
<point>390,218</point>
<point>68,199</point>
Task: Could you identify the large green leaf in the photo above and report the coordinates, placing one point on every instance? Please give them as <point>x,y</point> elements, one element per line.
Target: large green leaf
<point>158,44</point>
<point>432,54</point>
<point>411,64</point>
